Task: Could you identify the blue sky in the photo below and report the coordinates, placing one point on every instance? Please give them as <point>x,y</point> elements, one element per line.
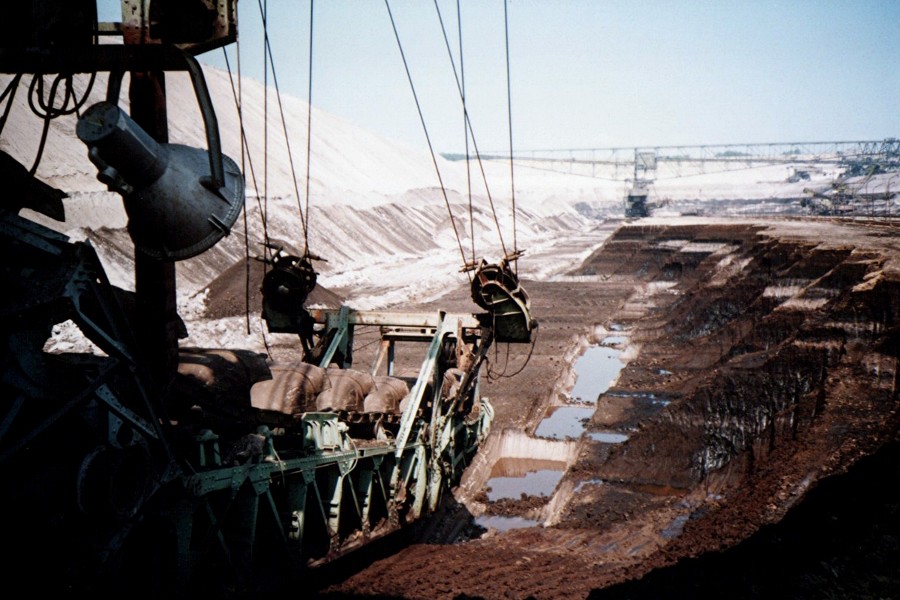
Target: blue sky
<point>591,73</point>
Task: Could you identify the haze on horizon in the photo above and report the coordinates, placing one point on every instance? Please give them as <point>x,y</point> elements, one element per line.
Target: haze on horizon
<point>588,74</point>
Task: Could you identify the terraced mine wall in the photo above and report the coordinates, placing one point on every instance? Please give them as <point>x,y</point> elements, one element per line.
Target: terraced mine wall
<point>778,357</point>
<point>760,362</point>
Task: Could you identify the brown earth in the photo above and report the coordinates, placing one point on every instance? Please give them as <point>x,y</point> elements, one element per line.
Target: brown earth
<point>776,344</point>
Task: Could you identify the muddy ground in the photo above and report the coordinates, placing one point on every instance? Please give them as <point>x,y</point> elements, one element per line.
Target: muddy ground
<point>768,471</point>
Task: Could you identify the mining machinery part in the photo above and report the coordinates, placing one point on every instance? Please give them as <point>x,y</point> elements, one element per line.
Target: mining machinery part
<point>289,283</point>
<point>24,190</point>
<point>285,289</point>
<point>496,289</point>
<point>195,26</point>
<point>220,481</point>
<point>208,488</point>
<point>175,210</point>
<point>180,200</point>
<point>83,436</point>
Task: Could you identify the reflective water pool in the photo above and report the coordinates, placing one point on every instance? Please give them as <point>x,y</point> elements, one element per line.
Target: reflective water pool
<point>501,523</point>
<point>512,477</point>
<point>595,371</point>
<point>608,437</point>
<point>564,422</point>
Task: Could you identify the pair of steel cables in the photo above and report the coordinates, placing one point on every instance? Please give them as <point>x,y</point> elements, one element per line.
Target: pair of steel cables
<point>459,76</point>
<point>246,156</point>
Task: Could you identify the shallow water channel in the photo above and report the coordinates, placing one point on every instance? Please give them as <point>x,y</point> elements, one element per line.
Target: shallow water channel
<point>595,371</point>
<point>512,477</point>
<point>530,475</point>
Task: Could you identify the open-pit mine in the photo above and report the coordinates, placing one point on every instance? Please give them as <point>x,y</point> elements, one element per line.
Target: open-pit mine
<point>694,382</point>
<point>605,373</point>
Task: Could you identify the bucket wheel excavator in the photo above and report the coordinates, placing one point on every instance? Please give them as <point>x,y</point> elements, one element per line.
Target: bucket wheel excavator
<point>147,467</point>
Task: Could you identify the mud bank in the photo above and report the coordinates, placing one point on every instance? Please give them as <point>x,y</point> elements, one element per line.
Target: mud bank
<point>762,363</point>
<point>841,541</point>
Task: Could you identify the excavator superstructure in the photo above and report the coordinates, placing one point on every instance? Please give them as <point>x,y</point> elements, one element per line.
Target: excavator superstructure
<point>148,467</point>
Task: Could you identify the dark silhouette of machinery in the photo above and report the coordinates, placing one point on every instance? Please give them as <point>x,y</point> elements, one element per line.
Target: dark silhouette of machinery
<point>150,468</point>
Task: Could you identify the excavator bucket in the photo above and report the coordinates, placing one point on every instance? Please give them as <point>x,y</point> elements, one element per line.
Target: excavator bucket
<point>496,289</point>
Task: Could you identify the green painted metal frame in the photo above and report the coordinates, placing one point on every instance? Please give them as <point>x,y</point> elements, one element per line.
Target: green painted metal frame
<point>326,502</point>
<point>313,493</point>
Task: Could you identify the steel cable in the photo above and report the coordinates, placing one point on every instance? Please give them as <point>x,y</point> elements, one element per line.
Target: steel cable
<point>287,141</point>
<point>427,137</point>
<point>512,179</point>
<point>462,76</point>
<point>246,156</point>
<point>472,133</point>
<point>308,128</point>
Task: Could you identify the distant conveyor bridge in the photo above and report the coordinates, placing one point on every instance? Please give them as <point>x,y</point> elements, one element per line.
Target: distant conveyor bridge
<point>774,152</point>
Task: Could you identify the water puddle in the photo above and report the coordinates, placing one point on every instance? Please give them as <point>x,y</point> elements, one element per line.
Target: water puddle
<point>595,371</point>
<point>534,466</point>
<point>645,397</point>
<point>608,437</point>
<point>674,528</point>
<point>637,549</point>
<point>501,523</point>
<point>582,484</point>
<point>513,477</point>
<point>564,422</point>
